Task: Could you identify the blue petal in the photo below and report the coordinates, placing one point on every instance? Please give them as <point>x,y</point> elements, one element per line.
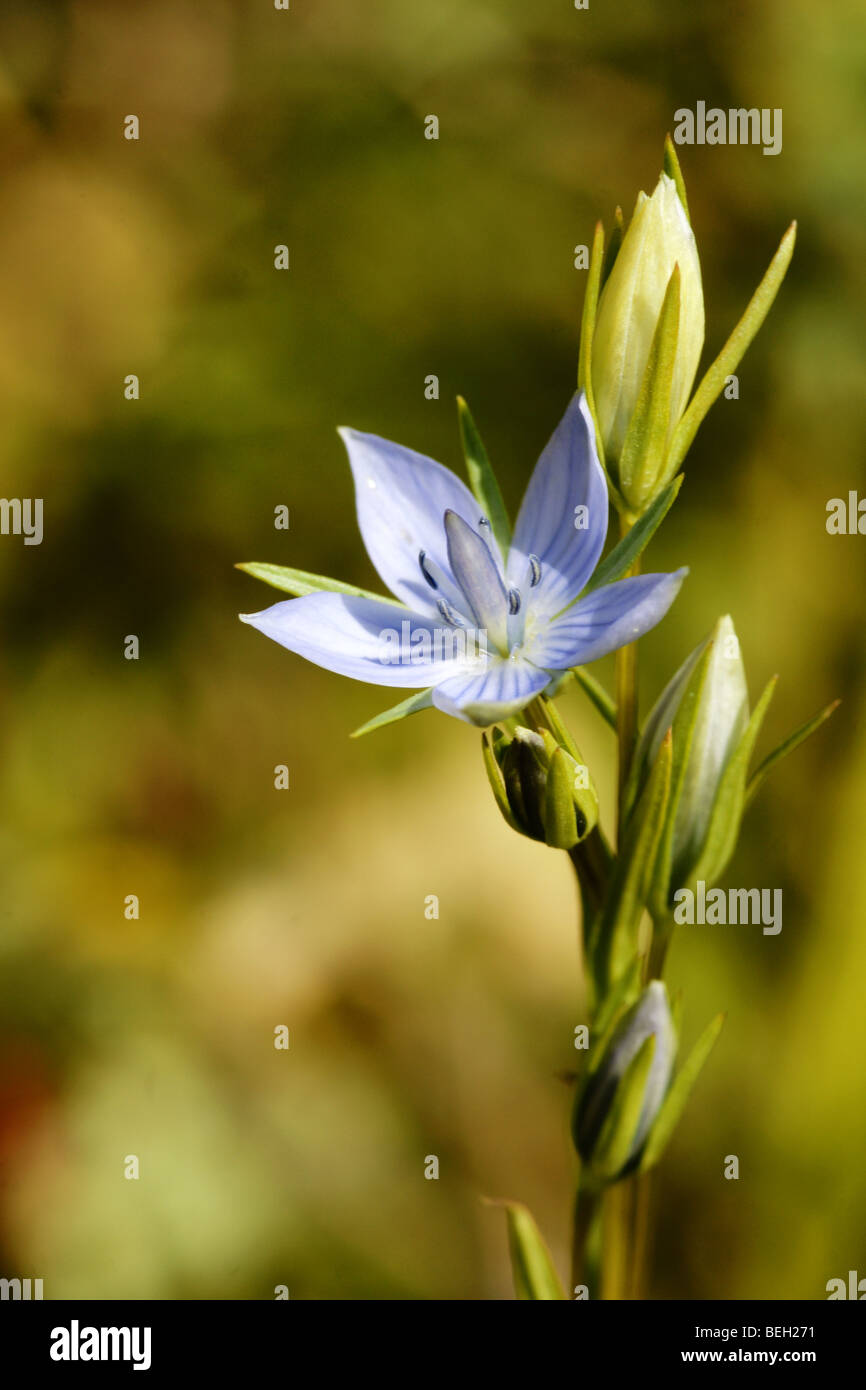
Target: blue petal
<point>402,498</point>
<point>567,475</point>
<point>609,618</point>
<point>478,575</point>
<point>502,689</point>
<point>366,639</point>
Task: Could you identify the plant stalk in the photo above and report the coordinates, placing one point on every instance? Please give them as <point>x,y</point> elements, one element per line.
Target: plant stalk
<point>617,1218</point>
<point>621,1274</point>
<point>585,1264</point>
<point>626,700</point>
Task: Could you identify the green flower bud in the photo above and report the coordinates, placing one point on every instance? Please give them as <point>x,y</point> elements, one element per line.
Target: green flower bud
<point>659,238</point>
<point>707,706</point>
<point>623,1092</point>
<point>542,789</point>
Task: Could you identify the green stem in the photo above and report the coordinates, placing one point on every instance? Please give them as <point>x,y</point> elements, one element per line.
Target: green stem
<point>626,699</point>
<point>592,862</point>
<point>585,1264</point>
<point>622,1216</point>
<point>620,1272</point>
<point>617,1219</point>
<point>659,948</point>
<point>640,1233</point>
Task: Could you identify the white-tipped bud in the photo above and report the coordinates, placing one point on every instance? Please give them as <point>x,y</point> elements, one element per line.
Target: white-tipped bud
<point>658,238</point>
<point>610,1138</point>
<point>711,686</point>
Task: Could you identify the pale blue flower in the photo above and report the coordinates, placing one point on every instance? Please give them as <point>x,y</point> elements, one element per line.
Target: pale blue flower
<point>487,633</point>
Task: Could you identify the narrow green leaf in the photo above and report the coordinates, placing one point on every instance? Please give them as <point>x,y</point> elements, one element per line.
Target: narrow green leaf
<point>636,540</point>
<point>422,699</point>
<point>727,813</point>
<point>644,446</point>
<point>683,728</point>
<point>731,354</point>
<point>551,719</point>
<point>299,582</point>
<point>787,746</point>
<point>616,238</point>
<point>673,171</point>
<point>570,810</point>
<point>590,309</point>
<point>613,1148</point>
<point>535,1276</point>
<point>482,479</point>
<point>675,1100</point>
<point>594,282</point>
<point>597,694</point>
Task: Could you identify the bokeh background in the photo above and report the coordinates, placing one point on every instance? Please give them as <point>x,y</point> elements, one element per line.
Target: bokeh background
<point>409,1036</point>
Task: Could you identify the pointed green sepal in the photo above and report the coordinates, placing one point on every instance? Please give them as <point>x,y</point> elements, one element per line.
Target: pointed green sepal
<point>664,715</point>
<point>496,780</point>
<point>683,730</point>
<point>299,583</point>
<point>535,1276</point>
<point>676,1098</point>
<point>595,280</point>
<point>482,479</point>
<point>673,171</point>
<point>644,447</point>
<point>571,802</point>
<point>550,720</point>
<point>590,308</point>
<point>613,1148</point>
<point>616,239</point>
<point>732,353</point>
<point>423,699</point>
<point>787,746</point>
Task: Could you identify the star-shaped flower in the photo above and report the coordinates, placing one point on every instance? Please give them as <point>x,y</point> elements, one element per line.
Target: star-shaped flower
<point>482,630</point>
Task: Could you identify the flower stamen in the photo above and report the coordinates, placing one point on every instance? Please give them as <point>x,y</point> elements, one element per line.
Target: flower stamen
<point>422,561</point>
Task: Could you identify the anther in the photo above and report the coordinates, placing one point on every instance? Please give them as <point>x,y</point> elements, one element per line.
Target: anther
<point>449,613</point>
<point>514,601</point>
<point>422,556</point>
<point>535,568</point>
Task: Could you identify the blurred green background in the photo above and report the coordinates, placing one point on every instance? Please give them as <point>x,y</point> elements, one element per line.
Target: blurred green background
<point>305,907</point>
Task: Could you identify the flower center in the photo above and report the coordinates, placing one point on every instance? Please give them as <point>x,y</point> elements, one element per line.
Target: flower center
<point>478,596</point>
